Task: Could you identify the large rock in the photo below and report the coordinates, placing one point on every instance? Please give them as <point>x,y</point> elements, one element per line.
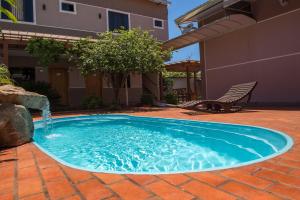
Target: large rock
<point>16,125</point>
<point>19,96</point>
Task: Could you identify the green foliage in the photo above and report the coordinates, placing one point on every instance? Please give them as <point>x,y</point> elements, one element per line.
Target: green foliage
<point>44,89</point>
<point>167,74</point>
<point>171,98</point>
<point>147,99</point>
<point>4,75</point>
<point>168,85</point>
<point>47,51</point>
<point>113,53</point>
<point>123,51</point>
<point>8,13</point>
<point>118,53</point>
<point>92,102</point>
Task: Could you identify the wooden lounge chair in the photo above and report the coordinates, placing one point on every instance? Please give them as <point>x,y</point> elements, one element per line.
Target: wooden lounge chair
<point>226,103</point>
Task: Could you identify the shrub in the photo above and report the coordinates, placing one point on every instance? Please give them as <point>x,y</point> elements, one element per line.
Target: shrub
<point>92,102</point>
<point>171,98</point>
<point>114,107</point>
<point>4,75</point>
<point>44,89</point>
<point>168,85</point>
<point>147,99</point>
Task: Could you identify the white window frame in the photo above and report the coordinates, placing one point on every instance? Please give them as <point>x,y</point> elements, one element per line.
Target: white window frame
<point>68,2</point>
<point>117,11</point>
<point>162,22</point>
<point>23,22</point>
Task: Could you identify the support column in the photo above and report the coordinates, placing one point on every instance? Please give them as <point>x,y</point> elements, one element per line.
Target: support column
<point>195,85</point>
<point>5,53</point>
<point>188,84</point>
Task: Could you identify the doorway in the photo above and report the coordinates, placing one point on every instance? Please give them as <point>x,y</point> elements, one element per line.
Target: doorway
<point>58,79</point>
<point>93,85</point>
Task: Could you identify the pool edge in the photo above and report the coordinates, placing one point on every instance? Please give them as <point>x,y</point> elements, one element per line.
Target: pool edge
<point>288,146</point>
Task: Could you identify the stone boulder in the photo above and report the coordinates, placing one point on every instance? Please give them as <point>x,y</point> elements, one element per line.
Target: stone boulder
<point>19,96</point>
<point>16,125</point>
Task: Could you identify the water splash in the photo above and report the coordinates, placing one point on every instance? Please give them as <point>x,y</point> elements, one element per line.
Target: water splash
<point>47,119</point>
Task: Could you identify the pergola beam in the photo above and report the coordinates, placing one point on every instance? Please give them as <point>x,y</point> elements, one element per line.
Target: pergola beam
<point>194,66</point>
<point>25,36</point>
<point>188,67</point>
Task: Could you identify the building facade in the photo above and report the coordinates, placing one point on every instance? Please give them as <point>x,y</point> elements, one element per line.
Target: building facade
<point>248,41</point>
<point>78,18</point>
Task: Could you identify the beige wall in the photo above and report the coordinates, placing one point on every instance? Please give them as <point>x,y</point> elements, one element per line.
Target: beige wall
<point>76,83</point>
<point>146,23</point>
<point>76,80</point>
<point>86,21</point>
<point>135,81</point>
<point>141,7</point>
<point>134,95</point>
<point>41,74</point>
<point>182,83</point>
<point>268,52</point>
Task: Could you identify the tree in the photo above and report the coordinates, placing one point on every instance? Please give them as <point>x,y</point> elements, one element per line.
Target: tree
<point>7,12</point>
<point>119,53</point>
<point>47,51</point>
<point>4,75</point>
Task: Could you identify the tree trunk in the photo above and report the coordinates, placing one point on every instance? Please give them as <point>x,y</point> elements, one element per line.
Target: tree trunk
<point>118,81</point>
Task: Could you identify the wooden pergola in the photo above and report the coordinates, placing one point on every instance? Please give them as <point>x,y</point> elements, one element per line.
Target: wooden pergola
<point>10,37</point>
<point>188,67</point>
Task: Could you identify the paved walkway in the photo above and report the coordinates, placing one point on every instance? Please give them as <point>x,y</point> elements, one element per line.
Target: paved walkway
<point>26,173</point>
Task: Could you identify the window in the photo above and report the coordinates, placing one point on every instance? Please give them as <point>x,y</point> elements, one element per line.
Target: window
<point>157,23</point>
<point>24,10</point>
<point>22,75</point>
<point>117,21</point>
<point>67,7</point>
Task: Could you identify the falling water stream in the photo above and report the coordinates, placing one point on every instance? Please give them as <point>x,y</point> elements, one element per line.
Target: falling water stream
<point>47,119</point>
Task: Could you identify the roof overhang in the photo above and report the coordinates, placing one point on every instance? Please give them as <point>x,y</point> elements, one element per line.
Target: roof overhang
<point>215,29</point>
<point>203,9</point>
<point>164,2</point>
<point>207,9</point>
<point>24,36</point>
<point>184,66</point>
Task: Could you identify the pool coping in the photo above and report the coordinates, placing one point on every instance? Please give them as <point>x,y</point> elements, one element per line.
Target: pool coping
<point>288,146</point>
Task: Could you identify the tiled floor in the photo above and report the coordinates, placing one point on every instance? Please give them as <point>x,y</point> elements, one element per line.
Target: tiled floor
<point>27,173</point>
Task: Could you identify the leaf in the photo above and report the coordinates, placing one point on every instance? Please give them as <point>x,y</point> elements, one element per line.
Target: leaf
<point>11,2</point>
<point>8,14</point>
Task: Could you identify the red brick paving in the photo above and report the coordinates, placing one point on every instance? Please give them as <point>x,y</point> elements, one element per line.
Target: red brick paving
<point>26,173</point>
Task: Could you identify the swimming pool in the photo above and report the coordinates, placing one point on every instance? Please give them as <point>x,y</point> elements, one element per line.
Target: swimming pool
<point>144,145</point>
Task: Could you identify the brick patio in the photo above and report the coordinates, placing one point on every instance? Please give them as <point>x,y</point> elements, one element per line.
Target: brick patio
<point>27,173</point>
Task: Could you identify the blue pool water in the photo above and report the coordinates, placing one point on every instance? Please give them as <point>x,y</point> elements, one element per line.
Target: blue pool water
<point>143,145</point>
